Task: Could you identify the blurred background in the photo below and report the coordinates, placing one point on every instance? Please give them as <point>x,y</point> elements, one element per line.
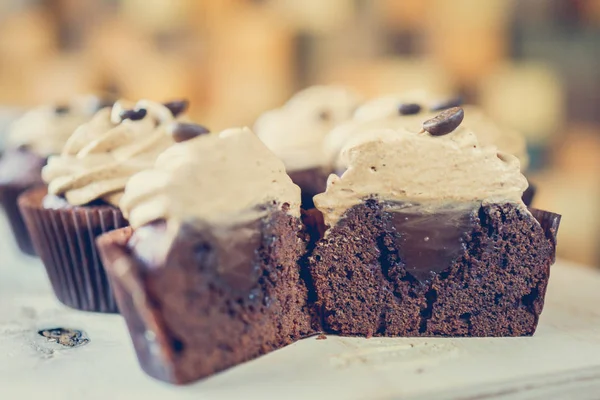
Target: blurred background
<point>532,64</point>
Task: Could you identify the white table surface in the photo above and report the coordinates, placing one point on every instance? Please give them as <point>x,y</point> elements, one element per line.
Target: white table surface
<point>561,361</point>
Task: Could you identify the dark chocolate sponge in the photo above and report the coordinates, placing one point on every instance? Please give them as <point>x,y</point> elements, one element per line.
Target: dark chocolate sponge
<point>215,299</point>
<point>489,282</point>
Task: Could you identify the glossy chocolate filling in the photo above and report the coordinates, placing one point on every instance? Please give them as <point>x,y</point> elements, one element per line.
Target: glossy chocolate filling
<point>231,252</point>
<point>429,239</point>
<point>234,254</point>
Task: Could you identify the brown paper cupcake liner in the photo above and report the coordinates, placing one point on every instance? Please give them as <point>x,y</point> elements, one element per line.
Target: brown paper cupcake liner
<point>9,196</point>
<point>549,221</point>
<point>20,170</point>
<point>64,238</point>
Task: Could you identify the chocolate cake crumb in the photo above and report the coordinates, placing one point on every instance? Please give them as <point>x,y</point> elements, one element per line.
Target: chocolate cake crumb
<point>206,318</point>
<point>495,287</point>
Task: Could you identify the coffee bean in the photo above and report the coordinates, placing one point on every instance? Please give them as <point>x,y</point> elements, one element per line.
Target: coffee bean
<point>325,115</point>
<point>61,109</point>
<point>134,115</point>
<point>177,106</point>
<point>409,108</point>
<point>186,131</point>
<point>448,103</point>
<point>445,122</point>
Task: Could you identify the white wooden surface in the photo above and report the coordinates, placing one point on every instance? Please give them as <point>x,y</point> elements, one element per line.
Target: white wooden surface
<point>561,361</point>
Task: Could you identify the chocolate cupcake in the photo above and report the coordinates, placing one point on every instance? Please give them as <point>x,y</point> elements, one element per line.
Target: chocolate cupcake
<point>209,277</point>
<point>295,133</point>
<point>409,110</point>
<point>428,236</point>
<point>31,139</point>
<point>85,184</point>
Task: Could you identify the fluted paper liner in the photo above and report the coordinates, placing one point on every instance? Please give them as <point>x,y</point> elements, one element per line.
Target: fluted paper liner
<point>549,221</point>
<point>9,195</point>
<point>153,347</point>
<point>64,238</point>
<point>20,170</point>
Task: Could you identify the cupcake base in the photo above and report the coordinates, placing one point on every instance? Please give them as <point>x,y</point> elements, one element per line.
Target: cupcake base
<point>64,238</point>
<point>20,170</point>
<point>210,298</point>
<point>9,199</point>
<point>483,273</point>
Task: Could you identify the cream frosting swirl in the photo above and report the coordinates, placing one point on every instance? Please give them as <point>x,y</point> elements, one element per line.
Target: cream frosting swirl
<point>102,154</point>
<point>44,130</point>
<point>224,178</point>
<point>295,132</point>
<point>382,113</point>
<point>404,166</point>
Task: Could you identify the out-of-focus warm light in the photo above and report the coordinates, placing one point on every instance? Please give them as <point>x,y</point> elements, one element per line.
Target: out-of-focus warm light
<point>392,75</point>
<point>527,97</point>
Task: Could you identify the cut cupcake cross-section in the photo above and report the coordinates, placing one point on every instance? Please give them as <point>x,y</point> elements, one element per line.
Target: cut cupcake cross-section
<point>209,277</point>
<point>428,236</point>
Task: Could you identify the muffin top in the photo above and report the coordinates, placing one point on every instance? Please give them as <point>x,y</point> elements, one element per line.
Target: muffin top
<point>400,165</point>
<point>44,130</point>
<point>225,178</point>
<point>295,131</point>
<point>408,111</point>
<point>102,154</point>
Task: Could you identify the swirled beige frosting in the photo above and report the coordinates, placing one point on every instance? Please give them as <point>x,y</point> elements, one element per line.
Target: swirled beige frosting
<point>102,154</point>
<point>295,132</point>
<point>382,113</point>
<point>403,166</point>
<point>223,178</point>
<point>45,129</point>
